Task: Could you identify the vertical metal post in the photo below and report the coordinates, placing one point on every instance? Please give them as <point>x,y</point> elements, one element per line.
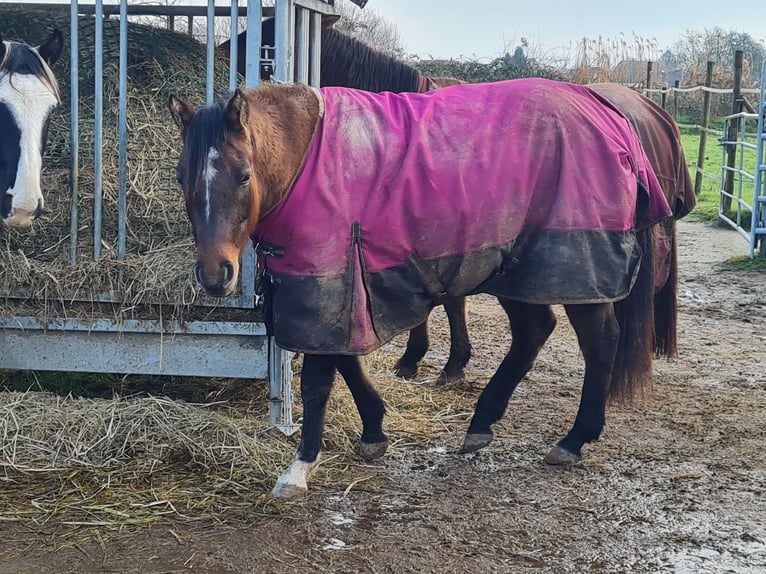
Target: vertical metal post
<point>210,77</point>
<point>280,389</point>
<point>280,370</point>
<point>234,45</point>
<point>315,49</point>
<point>74,95</point>
<point>736,107</point>
<point>122,133</point>
<point>98,127</point>
<point>283,67</point>
<point>253,58</point>
<point>758,220</point>
<point>302,45</point>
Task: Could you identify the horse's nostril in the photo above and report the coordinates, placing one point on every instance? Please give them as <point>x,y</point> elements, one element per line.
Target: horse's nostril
<point>40,211</point>
<point>228,273</point>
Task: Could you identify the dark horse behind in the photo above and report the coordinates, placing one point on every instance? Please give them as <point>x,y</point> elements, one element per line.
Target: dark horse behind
<point>353,199</point>
<point>347,62</point>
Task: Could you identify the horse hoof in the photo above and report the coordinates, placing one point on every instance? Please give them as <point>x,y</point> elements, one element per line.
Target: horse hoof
<point>560,456</point>
<point>404,371</point>
<point>474,442</point>
<point>372,450</point>
<point>450,375</point>
<point>286,491</point>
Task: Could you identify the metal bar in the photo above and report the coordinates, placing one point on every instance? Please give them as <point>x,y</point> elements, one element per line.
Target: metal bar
<point>210,60</point>
<point>74,67</point>
<point>315,49</point>
<point>320,6</point>
<point>253,58</point>
<point>283,67</point>
<point>759,202</point>
<point>156,10</point>
<point>301,45</point>
<point>280,389</point>
<point>234,45</point>
<point>29,323</point>
<point>98,127</point>
<point>122,132</point>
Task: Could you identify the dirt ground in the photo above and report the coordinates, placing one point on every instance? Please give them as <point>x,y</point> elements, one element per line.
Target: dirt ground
<point>676,484</point>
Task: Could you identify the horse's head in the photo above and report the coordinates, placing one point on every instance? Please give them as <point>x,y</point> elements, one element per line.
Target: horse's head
<point>221,192</point>
<point>28,95</point>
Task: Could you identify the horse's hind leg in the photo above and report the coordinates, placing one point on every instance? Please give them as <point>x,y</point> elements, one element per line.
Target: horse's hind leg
<point>418,344</point>
<point>317,376</point>
<point>369,404</point>
<point>417,347</point>
<point>598,334</point>
<point>531,325</point>
<point>460,342</point>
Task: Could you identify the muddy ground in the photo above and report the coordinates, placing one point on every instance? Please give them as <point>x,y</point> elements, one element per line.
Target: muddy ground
<point>676,484</point>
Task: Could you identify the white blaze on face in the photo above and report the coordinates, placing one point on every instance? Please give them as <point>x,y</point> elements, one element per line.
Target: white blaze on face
<point>30,101</point>
<point>209,177</point>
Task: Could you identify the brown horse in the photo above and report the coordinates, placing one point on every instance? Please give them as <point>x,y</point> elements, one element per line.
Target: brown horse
<point>354,202</point>
<point>661,140</point>
<point>348,62</point>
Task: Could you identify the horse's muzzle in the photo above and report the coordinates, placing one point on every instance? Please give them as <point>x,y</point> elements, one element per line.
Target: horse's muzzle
<point>20,218</point>
<point>220,283</point>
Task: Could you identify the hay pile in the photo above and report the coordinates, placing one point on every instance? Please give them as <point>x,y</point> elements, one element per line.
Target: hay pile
<point>35,263</point>
<point>136,460</point>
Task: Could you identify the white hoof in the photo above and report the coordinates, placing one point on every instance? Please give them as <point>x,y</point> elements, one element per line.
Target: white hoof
<point>293,483</point>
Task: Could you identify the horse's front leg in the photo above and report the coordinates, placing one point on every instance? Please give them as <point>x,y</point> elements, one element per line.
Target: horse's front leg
<point>317,376</point>
<point>598,334</point>
<point>417,347</point>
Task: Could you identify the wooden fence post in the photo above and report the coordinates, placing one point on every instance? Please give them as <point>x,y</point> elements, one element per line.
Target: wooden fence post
<point>731,152</point>
<point>648,79</point>
<point>664,98</point>
<point>705,125</point>
<point>675,99</point>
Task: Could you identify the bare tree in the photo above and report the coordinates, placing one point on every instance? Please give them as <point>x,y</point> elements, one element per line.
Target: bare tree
<point>370,27</point>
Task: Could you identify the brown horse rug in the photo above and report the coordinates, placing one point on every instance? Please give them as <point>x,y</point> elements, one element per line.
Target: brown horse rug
<point>527,189</point>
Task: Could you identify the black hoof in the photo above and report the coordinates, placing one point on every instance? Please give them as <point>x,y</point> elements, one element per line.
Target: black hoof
<point>560,456</point>
<point>474,442</point>
<point>372,450</point>
<point>450,376</point>
<point>405,371</point>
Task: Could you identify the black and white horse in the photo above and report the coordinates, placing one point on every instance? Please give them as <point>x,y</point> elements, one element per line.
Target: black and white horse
<point>28,95</point>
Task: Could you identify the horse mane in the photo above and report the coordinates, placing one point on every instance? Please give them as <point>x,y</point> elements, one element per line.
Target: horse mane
<point>20,58</point>
<point>350,63</point>
<point>206,131</point>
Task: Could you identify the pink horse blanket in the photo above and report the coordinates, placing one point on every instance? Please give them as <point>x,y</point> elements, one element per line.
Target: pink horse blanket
<point>527,189</point>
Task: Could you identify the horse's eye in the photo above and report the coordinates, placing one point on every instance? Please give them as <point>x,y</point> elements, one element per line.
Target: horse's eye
<point>245,179</point>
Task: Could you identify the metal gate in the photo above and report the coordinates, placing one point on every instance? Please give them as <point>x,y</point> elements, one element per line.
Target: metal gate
<point>749,211</point>
<point>224,338</point>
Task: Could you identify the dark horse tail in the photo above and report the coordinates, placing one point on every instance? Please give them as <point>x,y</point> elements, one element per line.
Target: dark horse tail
<point>666,305</point>
<point>632,370</point>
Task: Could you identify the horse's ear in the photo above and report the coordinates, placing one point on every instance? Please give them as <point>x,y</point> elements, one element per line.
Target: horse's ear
<point>329,20</point>
<point>237,111</point>
<point>181,111</point>
<point>51,49</point>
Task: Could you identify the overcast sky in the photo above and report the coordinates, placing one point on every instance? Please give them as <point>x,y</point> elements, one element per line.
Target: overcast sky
<point>484,28</point>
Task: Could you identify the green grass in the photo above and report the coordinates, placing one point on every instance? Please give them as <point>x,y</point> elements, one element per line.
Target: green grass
<point>708,199</point>
<point>744,263</point>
